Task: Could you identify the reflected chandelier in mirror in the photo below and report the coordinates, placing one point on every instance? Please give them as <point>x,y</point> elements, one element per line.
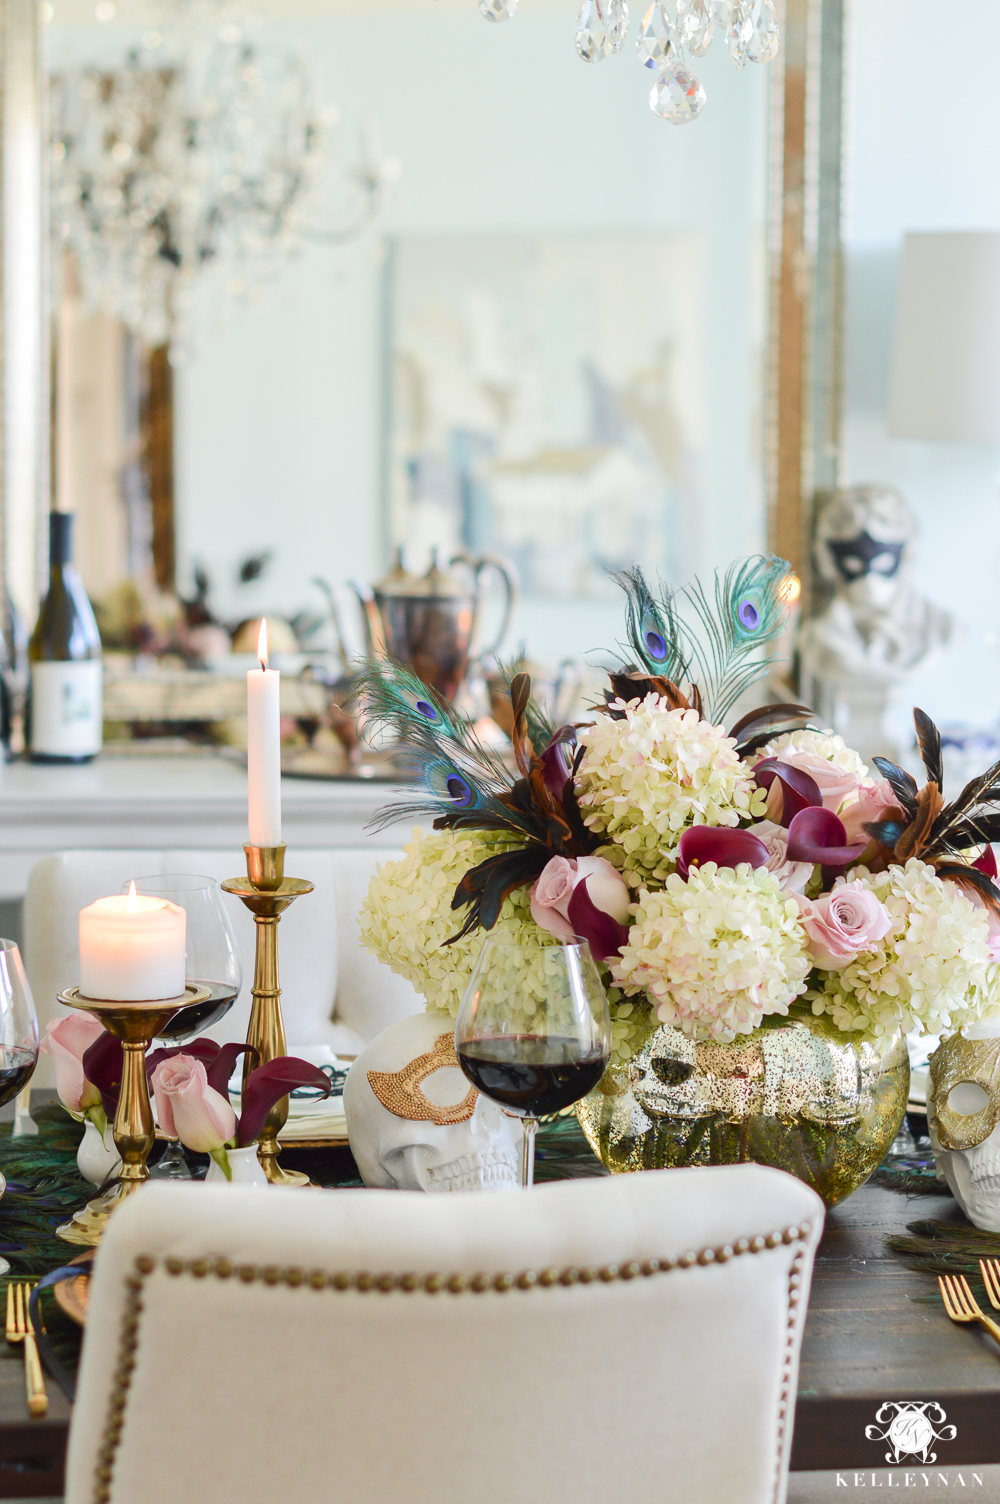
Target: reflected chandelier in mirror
<point>199,157</point>
<point>677,95</point>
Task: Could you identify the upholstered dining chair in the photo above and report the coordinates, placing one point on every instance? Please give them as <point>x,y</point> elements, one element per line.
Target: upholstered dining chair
<point>631,1340</point>
<point>333,991</point>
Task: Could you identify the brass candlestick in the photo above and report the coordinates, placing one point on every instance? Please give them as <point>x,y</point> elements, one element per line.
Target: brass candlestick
<point>267,892</point>
<point>136,1025</point>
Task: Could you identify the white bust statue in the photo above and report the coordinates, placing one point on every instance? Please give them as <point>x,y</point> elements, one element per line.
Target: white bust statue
<point>877,630</point>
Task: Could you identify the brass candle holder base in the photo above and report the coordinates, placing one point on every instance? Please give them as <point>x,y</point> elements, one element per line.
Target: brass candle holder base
<point>136,1025</point>
<point>267,892</point>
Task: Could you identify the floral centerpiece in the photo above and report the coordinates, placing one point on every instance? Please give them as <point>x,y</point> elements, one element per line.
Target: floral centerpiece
<point>727,881</point>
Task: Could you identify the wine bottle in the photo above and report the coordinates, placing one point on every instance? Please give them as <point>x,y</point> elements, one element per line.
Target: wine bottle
<point>64,656</point>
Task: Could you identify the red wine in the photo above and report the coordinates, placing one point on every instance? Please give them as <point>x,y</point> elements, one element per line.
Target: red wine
<point>190,1022</point>
<point>17,1066</point>
<point>532,1074</point>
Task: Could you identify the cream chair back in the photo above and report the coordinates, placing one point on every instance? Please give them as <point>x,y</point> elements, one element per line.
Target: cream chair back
<point>332,991</point>
<point>609,1341</point>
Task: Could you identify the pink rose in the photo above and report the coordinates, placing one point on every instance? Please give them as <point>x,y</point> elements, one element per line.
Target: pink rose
<point>552,892</point>
<point>834,784</point>
<point>188,1108</point>
<point>873,800</point>
<point>792,876</point>
<point>66,1043</point>
<point>843,923</point>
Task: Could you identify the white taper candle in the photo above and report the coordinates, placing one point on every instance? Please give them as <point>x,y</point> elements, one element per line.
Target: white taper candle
<point>264,748</point>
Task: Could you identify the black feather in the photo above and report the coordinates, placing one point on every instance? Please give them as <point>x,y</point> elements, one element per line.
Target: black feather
<point>929,743</point>
<point>903,784</point>
<point>757,728</point>
<point>886,832</point>
<point>963,822</point>
<point>971,877</point>
<point>485,887</point>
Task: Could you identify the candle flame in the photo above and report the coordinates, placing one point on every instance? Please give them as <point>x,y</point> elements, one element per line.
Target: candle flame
<point>262,643</point>
<point>132,904</point>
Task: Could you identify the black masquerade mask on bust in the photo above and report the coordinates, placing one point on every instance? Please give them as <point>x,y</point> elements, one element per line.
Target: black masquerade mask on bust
<point>856,557</point>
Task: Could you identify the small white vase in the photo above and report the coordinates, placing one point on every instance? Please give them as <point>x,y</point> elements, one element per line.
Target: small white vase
<point>97,1157</point>
<point>245,1166</point>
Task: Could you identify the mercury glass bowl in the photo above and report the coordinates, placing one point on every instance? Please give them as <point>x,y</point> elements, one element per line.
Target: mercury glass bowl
<point>796,1094</point>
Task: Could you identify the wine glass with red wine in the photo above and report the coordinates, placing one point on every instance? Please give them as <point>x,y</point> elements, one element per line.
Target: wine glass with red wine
<point>533,1032</point>
<point>18,1034</point>
<point>211,959</point>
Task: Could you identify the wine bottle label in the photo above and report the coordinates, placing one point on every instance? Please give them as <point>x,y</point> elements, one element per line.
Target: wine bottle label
<point>66,708</point>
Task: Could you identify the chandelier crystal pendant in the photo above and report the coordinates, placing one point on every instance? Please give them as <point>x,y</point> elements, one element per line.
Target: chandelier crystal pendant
<point>669,29</point>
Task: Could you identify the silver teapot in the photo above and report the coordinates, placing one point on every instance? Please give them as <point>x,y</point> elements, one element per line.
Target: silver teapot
<point>430,621</point>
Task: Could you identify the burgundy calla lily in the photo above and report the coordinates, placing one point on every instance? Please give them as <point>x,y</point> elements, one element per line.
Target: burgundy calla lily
<point>726,848</point>
<point>557,759</point>
<point>266,1085</point>
<point>102,1067</point>
<point>798,790</point>
<point>818,835</point>
<point>987,863</point>
<point>603,933</point>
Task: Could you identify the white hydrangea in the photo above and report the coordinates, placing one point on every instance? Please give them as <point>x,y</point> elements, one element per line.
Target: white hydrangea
<point>932,969</point>
<point>718,952</point>
<point>821,744</point>
<point>632,1023</point>
<point>645,778</point>
<point>407,916</point>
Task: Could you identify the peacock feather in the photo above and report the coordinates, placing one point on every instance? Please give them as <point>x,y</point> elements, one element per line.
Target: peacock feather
<point>654,631</point>
<point>464,785</point>
<point>715,655</point>
<point>748,612</point>
<point>461,783</point>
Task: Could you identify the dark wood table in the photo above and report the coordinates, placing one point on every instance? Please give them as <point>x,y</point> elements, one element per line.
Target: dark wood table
<point>876,1331</point>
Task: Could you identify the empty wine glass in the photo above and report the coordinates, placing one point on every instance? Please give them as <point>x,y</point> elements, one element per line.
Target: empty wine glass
<point>18,1034</point>
<point>533,1032</point>
<point>211,959</point>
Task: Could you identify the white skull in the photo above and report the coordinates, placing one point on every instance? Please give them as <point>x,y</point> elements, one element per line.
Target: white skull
<point>416,1124</point>
<point>963,1119</point>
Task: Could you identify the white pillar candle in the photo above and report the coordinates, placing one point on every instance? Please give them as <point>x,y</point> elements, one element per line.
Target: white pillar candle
<point>264,748</point>
<point>132,948</point>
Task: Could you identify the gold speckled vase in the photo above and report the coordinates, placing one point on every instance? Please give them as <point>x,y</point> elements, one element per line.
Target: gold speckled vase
<point>796,1094</point>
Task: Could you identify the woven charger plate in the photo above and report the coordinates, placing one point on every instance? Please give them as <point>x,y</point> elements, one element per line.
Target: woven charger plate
<point>73,1295</point>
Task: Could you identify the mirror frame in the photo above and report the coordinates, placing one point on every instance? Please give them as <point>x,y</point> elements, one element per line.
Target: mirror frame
<point>24,313</point>
<point>805,355</point>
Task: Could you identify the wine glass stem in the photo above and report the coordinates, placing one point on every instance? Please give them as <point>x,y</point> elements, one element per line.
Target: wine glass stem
<point>528,1153</point>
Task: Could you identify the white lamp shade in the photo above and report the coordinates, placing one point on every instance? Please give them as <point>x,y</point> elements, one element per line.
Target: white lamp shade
<point>946,347</point>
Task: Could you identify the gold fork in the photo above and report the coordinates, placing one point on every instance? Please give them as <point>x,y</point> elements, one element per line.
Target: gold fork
<point>990,1270</point>
<point>960,1303</point>
<point>19,1329</point>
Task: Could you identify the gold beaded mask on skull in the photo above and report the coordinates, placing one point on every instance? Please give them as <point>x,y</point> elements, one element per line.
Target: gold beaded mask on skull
<point>401,1091</point>
<point>965,1064</point>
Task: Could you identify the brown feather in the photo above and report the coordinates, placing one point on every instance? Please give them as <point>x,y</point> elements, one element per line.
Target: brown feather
<point>634,686</point>
<point>520,694</point>
<point>917,834</point>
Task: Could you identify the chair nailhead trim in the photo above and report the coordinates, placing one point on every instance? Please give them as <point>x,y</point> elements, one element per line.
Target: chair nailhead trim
<point>363,1281</point>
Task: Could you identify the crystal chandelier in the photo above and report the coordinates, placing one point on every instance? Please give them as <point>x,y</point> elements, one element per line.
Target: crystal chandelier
<point>188,176</point>
<point>665,37</point>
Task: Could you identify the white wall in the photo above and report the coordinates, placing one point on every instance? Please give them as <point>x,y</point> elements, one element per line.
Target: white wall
<point>499,128</point>
<point>924,123</point>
